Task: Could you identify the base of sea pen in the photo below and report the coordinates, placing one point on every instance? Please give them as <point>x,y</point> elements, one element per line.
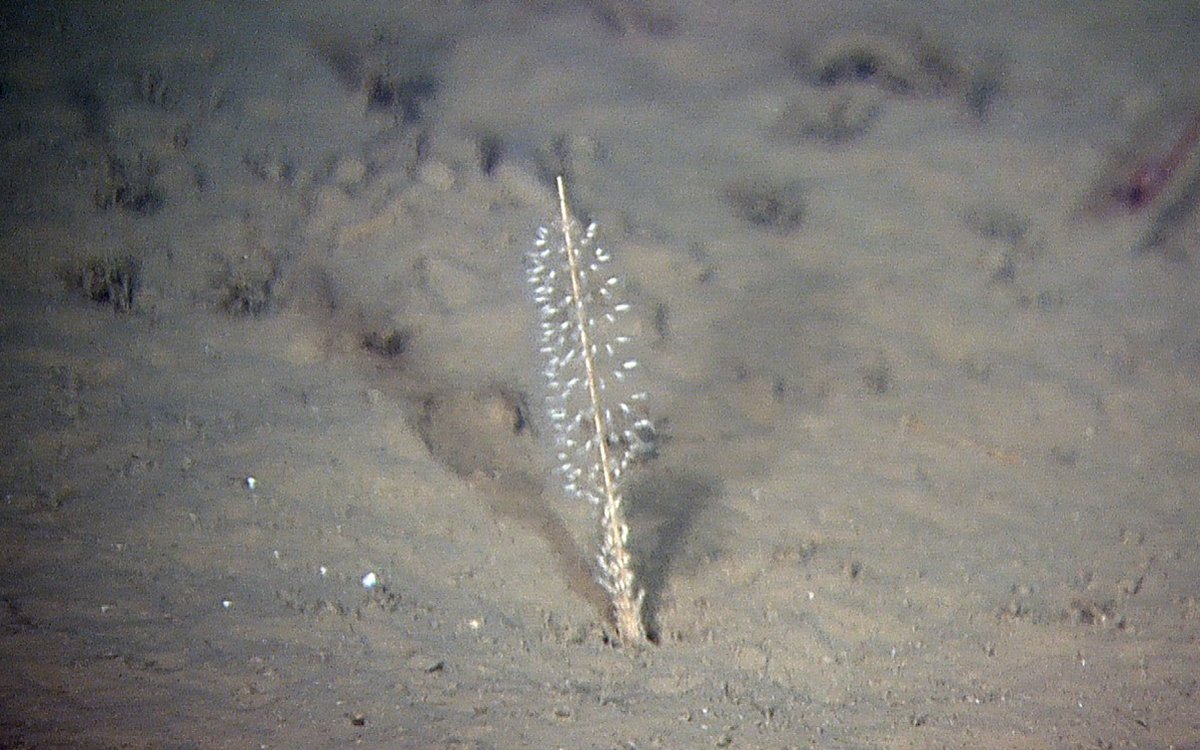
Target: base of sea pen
<point>627,610</point>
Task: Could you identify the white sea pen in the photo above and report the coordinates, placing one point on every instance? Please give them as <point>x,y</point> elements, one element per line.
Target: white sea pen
<point>580,348</point>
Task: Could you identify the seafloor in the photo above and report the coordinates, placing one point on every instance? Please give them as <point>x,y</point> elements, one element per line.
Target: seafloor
<point>926,389</point>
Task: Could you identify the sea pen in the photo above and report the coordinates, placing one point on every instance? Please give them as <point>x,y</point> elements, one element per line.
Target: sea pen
<point>595,434</point>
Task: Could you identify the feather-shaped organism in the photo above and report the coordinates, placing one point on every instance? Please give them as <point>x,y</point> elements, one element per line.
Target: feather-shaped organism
<point>596,433</point>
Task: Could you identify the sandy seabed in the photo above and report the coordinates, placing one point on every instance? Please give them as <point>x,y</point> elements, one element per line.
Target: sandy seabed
<point>928,447</point>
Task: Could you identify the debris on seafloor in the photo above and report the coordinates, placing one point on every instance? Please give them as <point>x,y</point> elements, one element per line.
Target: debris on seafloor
<point>1175,231</point>
<point>1156,173</point>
